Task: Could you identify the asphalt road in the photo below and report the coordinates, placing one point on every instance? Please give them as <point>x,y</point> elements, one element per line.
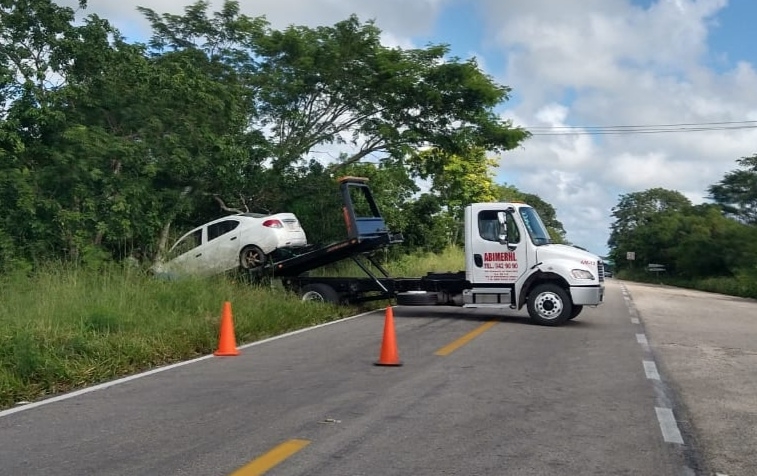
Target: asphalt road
<point>706,345</point>
<point>518,399</point>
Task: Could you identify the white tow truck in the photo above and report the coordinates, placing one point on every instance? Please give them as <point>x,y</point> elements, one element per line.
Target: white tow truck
<point>510,262</point>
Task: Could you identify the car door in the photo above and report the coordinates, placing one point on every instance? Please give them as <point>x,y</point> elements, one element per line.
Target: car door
<point>223,245</point>
<point>185,256</point>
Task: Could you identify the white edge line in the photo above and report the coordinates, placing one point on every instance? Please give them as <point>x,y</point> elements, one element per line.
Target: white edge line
<point>668,425</point>
<point>121,380</point>
<point>651,370</point>
<point>634,320</point>
<point>642,339</point>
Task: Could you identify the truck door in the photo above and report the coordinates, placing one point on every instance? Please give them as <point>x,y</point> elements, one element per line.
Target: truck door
<point>499,248</point>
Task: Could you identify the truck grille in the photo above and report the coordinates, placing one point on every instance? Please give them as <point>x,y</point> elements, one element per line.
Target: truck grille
<point>601,271</point>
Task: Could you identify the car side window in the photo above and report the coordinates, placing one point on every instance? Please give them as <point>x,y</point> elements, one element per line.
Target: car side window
<point>189,243</point>
<point>221,228</point>
<point>488,227</point>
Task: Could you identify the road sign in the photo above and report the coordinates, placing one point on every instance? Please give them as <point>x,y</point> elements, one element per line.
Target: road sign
<point>631,255</point>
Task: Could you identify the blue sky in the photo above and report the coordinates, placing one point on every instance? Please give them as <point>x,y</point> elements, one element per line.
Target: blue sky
<point>575,63</point>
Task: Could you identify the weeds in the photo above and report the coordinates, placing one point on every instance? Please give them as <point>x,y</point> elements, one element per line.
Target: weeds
<point>67,328</point>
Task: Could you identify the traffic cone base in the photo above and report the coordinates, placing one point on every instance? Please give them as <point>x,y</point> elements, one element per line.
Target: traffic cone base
<point>389,354</point>
<point>227,342</point>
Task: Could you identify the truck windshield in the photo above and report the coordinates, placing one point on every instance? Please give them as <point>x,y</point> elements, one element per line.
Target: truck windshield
<point>536,229</point>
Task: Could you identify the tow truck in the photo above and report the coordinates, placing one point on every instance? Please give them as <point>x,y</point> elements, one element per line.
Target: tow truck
<point>510,262</point>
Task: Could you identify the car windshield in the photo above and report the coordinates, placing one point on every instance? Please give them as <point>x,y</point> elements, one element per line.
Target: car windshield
<point>536,229</point>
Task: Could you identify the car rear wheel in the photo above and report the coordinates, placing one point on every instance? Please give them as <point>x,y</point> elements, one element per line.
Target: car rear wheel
<point>252,257</point>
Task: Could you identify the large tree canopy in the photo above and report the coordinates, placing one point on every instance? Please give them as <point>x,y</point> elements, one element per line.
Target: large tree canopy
<point>661,226</point>
<point>107,146</point>
<point>339,86</point>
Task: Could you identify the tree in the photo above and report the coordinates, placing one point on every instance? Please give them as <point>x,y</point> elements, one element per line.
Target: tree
<point>108,145</point>
<point>737,192</point>
<point>37,51</point>
<point>457,179</point>
<point>708,244</point>
<point>339,86</point>
<point>548,214</point>
<point>105,146</point>
<point>643,224</point>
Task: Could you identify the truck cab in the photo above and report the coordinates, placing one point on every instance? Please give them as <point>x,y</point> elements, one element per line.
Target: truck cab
<point>511,260</point>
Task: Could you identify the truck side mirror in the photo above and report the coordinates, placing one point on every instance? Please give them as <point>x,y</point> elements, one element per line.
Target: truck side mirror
<point>502,219</point>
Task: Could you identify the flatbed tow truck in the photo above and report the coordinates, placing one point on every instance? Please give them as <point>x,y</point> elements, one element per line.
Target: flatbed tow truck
<point>509,259</point>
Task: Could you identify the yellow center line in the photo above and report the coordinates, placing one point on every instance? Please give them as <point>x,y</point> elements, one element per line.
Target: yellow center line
<point>449,348</point>
<point>267,461</point>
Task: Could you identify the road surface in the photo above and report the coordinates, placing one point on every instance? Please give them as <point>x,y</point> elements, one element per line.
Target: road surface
<point>480,392</point>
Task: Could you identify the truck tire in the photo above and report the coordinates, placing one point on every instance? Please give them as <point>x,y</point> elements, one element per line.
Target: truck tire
<point>417,299</point>
<point>576,311</point>
<point>320,292</point>
<point>549,305</point>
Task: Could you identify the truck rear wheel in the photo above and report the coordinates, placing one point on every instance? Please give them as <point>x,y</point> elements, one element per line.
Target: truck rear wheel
<point>320,292</point>
<point>549,305</point>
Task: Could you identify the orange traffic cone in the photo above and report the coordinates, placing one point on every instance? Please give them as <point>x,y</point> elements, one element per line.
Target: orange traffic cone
<point>389,354</point>
<point>227,343</point>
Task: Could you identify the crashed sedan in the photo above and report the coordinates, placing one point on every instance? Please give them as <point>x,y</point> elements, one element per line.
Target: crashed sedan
<point>244,241</point>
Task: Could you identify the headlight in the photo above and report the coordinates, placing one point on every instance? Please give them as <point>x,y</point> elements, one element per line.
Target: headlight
<point>581,274</point>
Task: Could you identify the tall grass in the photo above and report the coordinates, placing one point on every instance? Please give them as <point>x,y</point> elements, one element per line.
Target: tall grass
<point>741,285</point>
<point>68,328</point>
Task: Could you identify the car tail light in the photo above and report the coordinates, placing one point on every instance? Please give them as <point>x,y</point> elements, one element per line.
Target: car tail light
<point>273,224</point>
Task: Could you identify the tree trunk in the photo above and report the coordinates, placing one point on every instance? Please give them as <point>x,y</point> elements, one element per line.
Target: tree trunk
<point>162,242</point>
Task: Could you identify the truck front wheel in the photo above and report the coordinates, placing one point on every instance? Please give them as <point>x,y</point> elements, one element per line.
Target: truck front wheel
<point>576,311</point>
<point>549,305</point>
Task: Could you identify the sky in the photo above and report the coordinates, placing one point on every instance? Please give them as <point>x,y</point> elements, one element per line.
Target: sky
<point>574,67</point>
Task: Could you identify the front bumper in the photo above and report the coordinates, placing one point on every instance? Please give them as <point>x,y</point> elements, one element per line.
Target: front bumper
<point>587,295</point>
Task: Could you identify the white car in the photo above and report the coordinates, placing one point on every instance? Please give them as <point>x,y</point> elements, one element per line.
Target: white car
<point>242,241</point>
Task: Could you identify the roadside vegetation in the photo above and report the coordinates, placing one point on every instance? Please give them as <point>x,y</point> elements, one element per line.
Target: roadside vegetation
<point>710,247</point>
<point>69,327</point>
<point>741,286</point>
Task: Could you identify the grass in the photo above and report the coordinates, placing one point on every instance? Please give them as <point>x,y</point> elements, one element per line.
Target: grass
<point>69,328</point>
<point>742,285</point>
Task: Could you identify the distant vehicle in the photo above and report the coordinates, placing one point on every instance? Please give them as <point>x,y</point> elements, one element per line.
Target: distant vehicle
<point>243,241</point>
<point>608,272</point>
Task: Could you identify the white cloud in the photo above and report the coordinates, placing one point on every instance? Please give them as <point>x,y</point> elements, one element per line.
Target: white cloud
<point>401,20</point>
<point>606,63</point>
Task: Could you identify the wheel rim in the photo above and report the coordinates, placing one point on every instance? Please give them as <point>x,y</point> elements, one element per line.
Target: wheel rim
<point>252,259</point>
<point>548,305</point>
<point>313,296</point>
